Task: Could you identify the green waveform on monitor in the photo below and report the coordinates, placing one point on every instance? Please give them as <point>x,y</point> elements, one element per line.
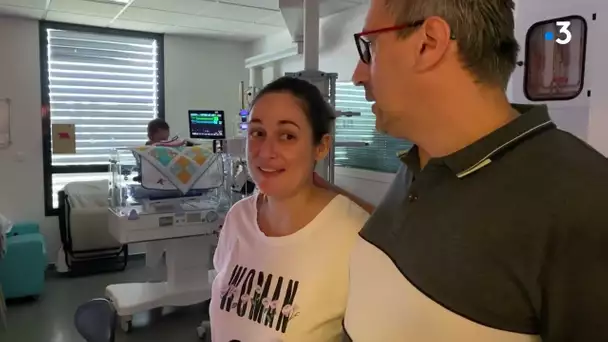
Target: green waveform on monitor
<point>206,119</point>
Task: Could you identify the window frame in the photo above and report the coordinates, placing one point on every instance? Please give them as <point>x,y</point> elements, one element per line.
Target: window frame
<point>528,58</point>
<point>47,153</point>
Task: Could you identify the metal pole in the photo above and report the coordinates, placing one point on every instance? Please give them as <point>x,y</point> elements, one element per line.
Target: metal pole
<point>255,77</point>
<point>331,157</point>
<point>311,35</point>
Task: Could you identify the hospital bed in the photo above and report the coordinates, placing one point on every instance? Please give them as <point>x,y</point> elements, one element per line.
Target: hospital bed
<point>86,243</point>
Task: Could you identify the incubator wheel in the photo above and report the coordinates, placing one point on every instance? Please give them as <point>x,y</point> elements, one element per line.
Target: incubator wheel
<point>204,331</point>
<point>200,331</point>
<point>126,324</point>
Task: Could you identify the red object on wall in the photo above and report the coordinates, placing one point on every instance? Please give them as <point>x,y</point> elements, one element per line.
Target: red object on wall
<point>64,135</point>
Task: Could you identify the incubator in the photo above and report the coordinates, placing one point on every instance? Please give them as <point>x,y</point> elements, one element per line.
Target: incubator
<point>173,198</point>
<point>159,192</point>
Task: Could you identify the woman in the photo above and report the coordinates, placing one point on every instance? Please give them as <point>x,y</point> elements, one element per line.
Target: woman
<point>282,256</point>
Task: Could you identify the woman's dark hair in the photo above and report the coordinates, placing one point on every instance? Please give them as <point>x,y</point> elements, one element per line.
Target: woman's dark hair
<point>156,125</point>
<point>318,111</point>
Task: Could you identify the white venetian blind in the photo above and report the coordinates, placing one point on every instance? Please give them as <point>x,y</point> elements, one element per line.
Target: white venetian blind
<point>381,152</point>
<point>107,85</point>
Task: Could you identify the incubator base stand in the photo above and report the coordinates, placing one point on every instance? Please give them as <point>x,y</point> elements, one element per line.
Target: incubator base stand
<point>188,262</point>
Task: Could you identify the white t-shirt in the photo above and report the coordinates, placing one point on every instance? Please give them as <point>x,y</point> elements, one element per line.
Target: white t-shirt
<point>283,289</point>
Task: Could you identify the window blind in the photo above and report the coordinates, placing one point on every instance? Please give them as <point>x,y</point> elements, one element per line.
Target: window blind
<point>107,86</point>
<point>381,153</point>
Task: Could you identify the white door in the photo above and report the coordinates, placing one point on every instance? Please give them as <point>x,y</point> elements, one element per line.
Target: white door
<point>554,60</point>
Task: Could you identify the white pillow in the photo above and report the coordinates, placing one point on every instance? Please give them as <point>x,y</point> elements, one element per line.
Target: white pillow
<point>5,227</point>
<point>5,224</point>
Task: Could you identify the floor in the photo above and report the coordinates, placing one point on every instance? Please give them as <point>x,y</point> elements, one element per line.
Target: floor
<point>50,317</point>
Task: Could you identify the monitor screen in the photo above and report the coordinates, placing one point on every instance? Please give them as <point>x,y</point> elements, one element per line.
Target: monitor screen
<point>207,124</point>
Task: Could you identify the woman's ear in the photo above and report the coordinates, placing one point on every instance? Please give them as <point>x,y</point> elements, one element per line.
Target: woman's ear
<point>323,147</point>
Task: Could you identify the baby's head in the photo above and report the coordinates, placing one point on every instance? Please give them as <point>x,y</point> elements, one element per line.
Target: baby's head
<point>158,130</point>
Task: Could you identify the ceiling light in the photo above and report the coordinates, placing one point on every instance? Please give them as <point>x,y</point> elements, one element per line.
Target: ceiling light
<point>113,2</point>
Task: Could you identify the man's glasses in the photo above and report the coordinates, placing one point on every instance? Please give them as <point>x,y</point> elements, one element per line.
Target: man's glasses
<point>364,44</point>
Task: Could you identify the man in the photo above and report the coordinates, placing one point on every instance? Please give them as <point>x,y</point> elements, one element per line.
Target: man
<point>495,227</point>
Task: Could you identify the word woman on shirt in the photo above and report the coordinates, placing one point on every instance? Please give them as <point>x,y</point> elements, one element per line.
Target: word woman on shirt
<point>283,289</point>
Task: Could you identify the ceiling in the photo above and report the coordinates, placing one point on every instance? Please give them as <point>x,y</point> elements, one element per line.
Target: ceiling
<point>242,20</point>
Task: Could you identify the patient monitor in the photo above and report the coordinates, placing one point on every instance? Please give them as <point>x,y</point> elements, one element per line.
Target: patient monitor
<point>207,124</point>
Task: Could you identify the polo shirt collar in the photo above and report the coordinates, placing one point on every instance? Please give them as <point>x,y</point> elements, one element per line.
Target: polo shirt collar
<point>411,158</point>
<point>532,120</point>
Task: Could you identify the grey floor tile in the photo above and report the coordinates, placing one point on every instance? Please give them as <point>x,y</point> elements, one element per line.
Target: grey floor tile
<point>50,317</point>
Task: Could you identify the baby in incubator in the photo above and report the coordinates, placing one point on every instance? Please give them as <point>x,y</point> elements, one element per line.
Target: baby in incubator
<point>158,131</point>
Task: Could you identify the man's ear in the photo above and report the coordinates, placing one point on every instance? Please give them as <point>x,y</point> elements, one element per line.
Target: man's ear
<point>323,147</point>
<point>434,43</point>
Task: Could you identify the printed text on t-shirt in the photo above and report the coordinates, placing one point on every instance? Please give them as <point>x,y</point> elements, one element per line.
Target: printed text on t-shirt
<point>248,294</point>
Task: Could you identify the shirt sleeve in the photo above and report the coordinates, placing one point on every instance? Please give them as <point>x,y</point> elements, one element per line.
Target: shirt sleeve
<point>575,281</point>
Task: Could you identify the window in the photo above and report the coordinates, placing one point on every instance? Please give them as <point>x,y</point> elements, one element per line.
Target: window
<point>108,84</point>
<point>555,59</point>
<point>381,152</point>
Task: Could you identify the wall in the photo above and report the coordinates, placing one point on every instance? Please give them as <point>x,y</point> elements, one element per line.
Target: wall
<point>190,66</point>
<point>202,74</point>
<point>21,197</point>
<point>598,78</point>
<point>370,186</point>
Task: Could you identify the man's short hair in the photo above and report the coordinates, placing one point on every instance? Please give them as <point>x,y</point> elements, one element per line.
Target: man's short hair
<point>156,125</point>
<point>484,31</point>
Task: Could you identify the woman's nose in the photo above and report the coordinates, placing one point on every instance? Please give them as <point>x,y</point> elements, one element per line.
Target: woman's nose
<point>267,148</point>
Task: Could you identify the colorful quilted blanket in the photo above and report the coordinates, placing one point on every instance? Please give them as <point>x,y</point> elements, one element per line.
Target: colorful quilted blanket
<point>182,166</point>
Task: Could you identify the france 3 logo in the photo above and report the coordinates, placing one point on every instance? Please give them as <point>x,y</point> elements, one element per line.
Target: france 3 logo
<point>564,35</point>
